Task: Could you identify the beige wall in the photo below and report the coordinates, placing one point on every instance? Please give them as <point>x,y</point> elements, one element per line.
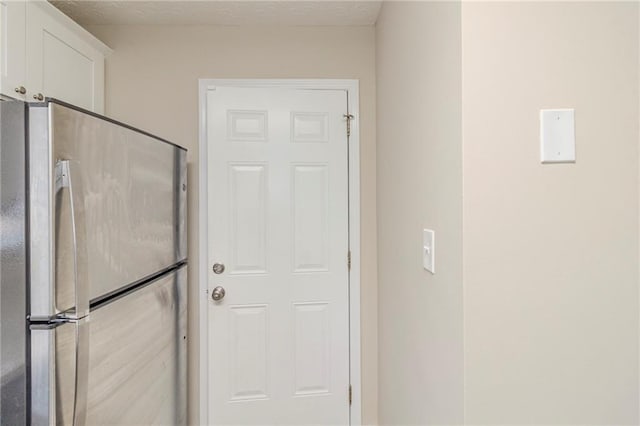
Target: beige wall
<point>419,186</point>
<point>152,82</point>
<point>550,251</point>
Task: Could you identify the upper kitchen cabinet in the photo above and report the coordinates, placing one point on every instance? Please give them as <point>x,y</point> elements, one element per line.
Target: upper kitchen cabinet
<point>13,69</point>
<point>60,59</point>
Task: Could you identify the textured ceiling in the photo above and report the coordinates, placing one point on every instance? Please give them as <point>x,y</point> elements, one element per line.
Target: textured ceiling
<point>214,12</point>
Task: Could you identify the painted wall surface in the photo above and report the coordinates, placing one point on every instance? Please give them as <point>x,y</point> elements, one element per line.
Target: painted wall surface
<point>419,143</point>
<point>152,82</point>
<point>550,251</point>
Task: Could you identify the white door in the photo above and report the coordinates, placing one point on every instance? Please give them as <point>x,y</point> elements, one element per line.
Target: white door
<point>278,221</point>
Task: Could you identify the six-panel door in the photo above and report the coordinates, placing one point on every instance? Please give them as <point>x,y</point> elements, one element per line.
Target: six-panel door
<point>278,221</point>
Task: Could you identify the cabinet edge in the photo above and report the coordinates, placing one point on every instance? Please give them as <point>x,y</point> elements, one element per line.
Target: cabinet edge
<point>61,17</point>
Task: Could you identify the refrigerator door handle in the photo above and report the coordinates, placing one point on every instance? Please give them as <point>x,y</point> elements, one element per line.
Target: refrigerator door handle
<point>60,373</point>
<point>65,178</point>
<point>82,372</point>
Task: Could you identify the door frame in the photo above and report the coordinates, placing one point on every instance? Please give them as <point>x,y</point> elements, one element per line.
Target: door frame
<point>351,87</point>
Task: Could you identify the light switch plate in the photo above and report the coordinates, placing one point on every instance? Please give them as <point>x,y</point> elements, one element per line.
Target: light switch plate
<point>557,136</point>
<point>429,250</point>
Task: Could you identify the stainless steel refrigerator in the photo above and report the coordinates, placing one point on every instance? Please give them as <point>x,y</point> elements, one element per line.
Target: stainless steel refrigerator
<point>93,295</point>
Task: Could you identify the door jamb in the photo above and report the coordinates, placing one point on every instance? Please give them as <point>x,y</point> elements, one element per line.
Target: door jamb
<point>351,87</point>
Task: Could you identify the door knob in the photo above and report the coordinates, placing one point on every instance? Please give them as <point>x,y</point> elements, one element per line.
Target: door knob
<point>218,293</point>
<point>38,97</point>
<point>21,90</point>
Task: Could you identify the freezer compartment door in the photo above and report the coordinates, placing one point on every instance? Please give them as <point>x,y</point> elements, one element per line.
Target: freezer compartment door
<point>138,356</point>
<point>136,365</point>
<point>108,207</point>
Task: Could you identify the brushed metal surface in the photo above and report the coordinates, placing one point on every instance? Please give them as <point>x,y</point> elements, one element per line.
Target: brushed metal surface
<point>137,358</point>
<point>42,392</point>
<point>218,268</point>
<point>13,378</point>
<point>136,364</point>
<point>81,384</point>
<point>64,178</point>
<point>52,374</point>
<point>180,203</point>
<point>41,217</point>
<point>218,293</point>
<point>59,373</point>
<point>134,197</point>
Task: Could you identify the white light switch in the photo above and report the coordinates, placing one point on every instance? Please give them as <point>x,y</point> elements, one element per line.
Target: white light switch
<point>428,250</point>
<point>557,136</point>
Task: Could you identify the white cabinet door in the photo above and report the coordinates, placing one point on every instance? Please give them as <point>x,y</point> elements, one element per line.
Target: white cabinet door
<point>12,45</point>
<point>60,63</point>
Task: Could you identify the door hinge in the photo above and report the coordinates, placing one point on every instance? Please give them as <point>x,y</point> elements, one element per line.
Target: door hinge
<point>349,117</point>
<point>349,259</point>
<point>350,394</point>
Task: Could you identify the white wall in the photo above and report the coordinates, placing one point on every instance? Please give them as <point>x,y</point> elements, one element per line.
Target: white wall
<point>550,251</point>
<point>419,186</point>
<point>152,82</point>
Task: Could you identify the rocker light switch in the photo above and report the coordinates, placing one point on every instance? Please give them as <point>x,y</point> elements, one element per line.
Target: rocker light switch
<point>428,250</point>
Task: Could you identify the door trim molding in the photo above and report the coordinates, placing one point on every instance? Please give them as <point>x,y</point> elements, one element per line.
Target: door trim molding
<point>351,87</point>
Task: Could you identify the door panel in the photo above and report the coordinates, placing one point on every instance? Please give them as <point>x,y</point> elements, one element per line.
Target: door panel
<point>249,352</point>
<point>312,353</point>
<point>131,189</point>
<point>278,206</point>
<point>310,206</point>
<point>61,64</point>
<point>248,186</point>
<point>60,59</point>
